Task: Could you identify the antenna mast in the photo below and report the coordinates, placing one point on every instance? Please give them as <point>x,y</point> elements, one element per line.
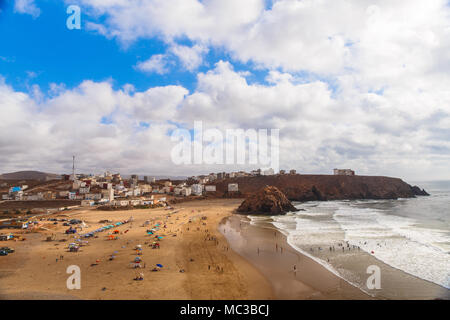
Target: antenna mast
<point>73,168</point>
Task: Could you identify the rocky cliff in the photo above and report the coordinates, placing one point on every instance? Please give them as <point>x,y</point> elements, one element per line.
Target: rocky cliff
<point>322,187</point>
<point>268,200</point>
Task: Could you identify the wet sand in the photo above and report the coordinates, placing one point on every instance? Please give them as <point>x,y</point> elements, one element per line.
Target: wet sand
<point>269,250</point>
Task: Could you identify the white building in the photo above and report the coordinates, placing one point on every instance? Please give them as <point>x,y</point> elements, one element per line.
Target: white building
<point>197,189</point>
<point>136,192</point>
<point>72,195</point>
<point>64,194</point>
<point>87,203</point>
<point>84,190</point>
<point>343,172</point>
<point>268,172</point>
<point>186,191</point>
<point>135,202</point>
<point>93,196</point>
<point>120,203</point>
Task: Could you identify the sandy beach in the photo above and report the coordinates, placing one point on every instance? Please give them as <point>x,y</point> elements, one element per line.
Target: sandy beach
<point>193,266</point>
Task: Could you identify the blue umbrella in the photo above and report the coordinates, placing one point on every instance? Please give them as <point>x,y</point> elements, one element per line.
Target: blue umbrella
<point>159,265</point>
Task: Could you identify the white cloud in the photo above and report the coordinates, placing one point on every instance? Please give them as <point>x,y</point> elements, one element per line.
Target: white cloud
<point>43,133</point>
<point>128,130</point>
<point>157,63</point>
<point>27,7</point>
<point>377,38</point>
<point>191,57</point>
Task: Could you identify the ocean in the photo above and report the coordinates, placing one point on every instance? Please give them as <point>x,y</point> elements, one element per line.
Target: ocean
<point>411,236</point>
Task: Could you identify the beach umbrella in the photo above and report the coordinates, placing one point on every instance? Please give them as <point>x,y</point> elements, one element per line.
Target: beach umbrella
<point>160,237</point>
<point>159,265</point>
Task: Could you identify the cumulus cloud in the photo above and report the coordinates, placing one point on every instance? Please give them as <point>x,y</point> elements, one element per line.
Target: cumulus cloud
<point>43,134</point>
<point>377,40</point>
<point>27,7</point>
<point>157,63</point>
<point>129,131</point>
<point>191,57</point>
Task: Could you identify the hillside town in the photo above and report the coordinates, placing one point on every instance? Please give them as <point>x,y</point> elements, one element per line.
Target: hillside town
<point>113,189</point>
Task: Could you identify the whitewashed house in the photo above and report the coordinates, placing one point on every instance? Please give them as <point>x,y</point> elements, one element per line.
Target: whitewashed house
<point>186,191</point>
<point>87,203</point>
<point>93,196</point>
<point>197,189</point>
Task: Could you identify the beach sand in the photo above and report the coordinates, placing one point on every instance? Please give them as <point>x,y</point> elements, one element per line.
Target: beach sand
<point>210,270</point>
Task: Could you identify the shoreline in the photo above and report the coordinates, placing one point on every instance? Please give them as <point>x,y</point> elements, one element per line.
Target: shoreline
<point>268,250</point>
<point>248,238</point>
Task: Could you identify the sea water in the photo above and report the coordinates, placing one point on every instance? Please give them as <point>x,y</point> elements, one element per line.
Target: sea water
<point>411,235</point>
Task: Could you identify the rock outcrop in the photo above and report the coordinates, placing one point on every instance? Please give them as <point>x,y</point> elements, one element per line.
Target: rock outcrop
<point>419,192</point>
<point>298,187</point>
<point>269,200</point>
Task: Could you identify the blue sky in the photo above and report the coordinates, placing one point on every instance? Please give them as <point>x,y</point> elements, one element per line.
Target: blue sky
<point>43,50</point>
<point>56,54</point>
<point>369,94</point>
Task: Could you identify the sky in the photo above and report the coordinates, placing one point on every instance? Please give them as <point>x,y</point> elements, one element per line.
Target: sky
<point>349,84</point>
